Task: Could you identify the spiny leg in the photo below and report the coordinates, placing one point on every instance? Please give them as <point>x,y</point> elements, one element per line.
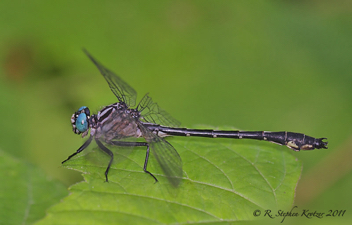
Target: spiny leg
<point>146,164</point>
<point>133,144</point>
<point>107,151</point>
<point>85,145</point>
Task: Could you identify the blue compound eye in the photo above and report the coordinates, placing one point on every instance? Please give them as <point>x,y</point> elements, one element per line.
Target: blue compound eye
<point>86,110</point>
<point>83,107</point>
<point>80,120</point>
<point>82,123</point>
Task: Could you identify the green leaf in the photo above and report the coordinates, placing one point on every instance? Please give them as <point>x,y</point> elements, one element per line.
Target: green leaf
<point>25,191</point>
<point>224,181</point>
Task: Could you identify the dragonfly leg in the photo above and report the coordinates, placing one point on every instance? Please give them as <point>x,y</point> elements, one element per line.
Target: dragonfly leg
<point>146,163</point>
<point>133,144</point>
<point>106,150</point>
<point>85,145</point>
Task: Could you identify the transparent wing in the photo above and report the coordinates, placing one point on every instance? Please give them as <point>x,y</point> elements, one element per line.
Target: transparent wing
<point>120,88</point>
<point>166,155</point>
<point>152,113</point>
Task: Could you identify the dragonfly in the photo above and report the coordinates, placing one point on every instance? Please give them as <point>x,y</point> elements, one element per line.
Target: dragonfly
<point>116,124</point>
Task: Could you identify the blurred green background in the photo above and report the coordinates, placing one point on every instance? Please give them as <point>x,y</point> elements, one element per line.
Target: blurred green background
<point>254,65</point>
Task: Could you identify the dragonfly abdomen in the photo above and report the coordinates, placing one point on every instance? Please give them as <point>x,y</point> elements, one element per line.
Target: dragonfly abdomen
<point>295,141</point>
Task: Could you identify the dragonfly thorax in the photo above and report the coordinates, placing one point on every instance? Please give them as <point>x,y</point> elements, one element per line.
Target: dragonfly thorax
<point>116,121</point>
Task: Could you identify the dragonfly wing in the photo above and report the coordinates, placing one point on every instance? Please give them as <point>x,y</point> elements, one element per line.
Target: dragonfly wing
<point>152,113</point>
<point>120,88</point>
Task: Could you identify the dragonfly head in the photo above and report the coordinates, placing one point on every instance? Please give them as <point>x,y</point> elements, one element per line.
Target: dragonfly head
<point>80,120</point>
